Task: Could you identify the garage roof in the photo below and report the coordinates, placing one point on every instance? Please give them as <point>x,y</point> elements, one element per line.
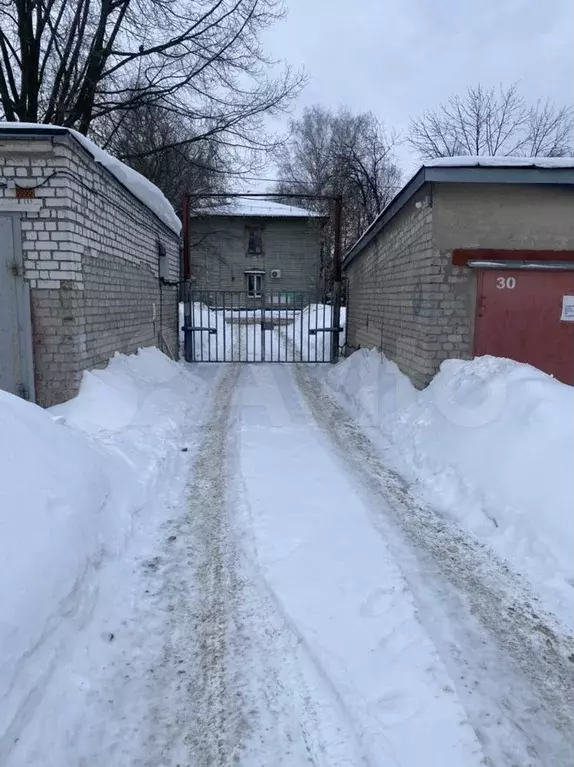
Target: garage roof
<point>470,170</point>
<point>139,186</point>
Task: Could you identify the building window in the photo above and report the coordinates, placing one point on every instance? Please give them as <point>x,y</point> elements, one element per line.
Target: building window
<point>254,242</point>
<point>254,285</point>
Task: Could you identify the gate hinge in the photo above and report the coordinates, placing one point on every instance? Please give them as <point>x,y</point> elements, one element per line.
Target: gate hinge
<point>14,269</point>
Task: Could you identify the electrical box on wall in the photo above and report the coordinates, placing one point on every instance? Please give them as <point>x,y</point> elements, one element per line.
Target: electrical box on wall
<point>163,268</point>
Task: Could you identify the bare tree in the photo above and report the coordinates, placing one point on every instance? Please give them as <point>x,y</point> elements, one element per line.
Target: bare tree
<point>199,167</point>
<point>550,131</point>
<point>341,154</point>
<point>492,122</point>
<point>368,175</point>
<point>86,63</point>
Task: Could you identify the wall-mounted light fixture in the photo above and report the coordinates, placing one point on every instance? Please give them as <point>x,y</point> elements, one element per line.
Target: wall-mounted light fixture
<point>424,203</point>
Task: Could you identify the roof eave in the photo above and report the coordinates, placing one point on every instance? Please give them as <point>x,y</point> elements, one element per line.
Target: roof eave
<point>23,133</point>
<point>500,174</point>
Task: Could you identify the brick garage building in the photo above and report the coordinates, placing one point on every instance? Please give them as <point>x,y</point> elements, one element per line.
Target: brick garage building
<point>82,242</point>
<point>474,256</point>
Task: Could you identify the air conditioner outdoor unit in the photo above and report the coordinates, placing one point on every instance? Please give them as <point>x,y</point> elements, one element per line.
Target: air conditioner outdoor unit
<point>275,274</point>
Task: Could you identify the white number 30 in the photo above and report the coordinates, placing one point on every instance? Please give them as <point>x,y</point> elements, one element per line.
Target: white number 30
<point>506,283</point>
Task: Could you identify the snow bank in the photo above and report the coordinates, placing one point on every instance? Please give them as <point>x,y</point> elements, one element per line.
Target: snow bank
<point>491,441</point>
<point>73,482</point>
<point>133,391</point>
<point>53,491</point>
<point>146,192</point>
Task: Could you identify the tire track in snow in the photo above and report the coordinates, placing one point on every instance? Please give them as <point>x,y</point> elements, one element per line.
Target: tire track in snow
<point>219,724</point>
<point>195,713</point>
<point>500,647</point>
<point>250,702</point>
<point>174,691</point>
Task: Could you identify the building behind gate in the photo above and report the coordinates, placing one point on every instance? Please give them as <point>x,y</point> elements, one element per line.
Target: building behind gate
<point>474,256</point>
<point>255,246</point>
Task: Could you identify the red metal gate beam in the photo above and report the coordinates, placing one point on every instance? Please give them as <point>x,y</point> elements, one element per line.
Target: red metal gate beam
<point>461,256</point>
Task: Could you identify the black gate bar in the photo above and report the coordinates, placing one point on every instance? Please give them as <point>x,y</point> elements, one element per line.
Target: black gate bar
<point>273,327</point>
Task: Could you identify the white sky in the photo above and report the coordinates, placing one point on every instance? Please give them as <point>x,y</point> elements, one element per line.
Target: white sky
<point>398,58</point>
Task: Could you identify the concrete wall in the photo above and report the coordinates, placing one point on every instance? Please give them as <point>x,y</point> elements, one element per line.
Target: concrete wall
<point>503,216</point>
<point>219,257</point>
<point>404,294</point>
<point>91,259</point>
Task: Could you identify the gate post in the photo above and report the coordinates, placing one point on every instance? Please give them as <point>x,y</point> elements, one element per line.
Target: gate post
<point>336,312</point>
<point>188,335</point>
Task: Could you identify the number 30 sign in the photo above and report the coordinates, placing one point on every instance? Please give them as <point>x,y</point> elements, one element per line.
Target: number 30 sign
<point>506,283</point>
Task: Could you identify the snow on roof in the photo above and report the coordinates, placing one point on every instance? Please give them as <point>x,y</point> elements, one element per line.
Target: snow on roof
<point>471,161</point>
<point>146,192</point>
<point>254,206</point>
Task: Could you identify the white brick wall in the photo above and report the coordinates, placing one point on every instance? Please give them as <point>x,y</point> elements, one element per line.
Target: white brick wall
<point>91,258</point>
<point>407,299</point>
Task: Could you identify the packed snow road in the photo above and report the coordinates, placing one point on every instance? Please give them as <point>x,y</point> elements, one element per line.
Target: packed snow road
<point>305,608</point>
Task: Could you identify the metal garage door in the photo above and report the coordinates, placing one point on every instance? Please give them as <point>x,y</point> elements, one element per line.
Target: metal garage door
<point>520,315</point>
<point>15,330</point>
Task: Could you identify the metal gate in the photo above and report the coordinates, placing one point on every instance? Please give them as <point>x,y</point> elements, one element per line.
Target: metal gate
<point>266,326</point>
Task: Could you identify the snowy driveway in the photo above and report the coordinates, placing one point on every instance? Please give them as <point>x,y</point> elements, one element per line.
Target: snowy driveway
<point>302,607</point>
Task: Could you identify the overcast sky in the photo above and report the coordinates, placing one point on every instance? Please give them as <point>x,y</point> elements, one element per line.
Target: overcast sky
<point>397,58</point>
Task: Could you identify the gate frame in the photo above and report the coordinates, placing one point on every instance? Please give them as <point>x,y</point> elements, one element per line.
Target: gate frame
<point>337,213</point>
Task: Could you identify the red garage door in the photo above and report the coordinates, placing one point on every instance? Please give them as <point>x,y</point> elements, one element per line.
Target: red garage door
<point>519,316</point>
